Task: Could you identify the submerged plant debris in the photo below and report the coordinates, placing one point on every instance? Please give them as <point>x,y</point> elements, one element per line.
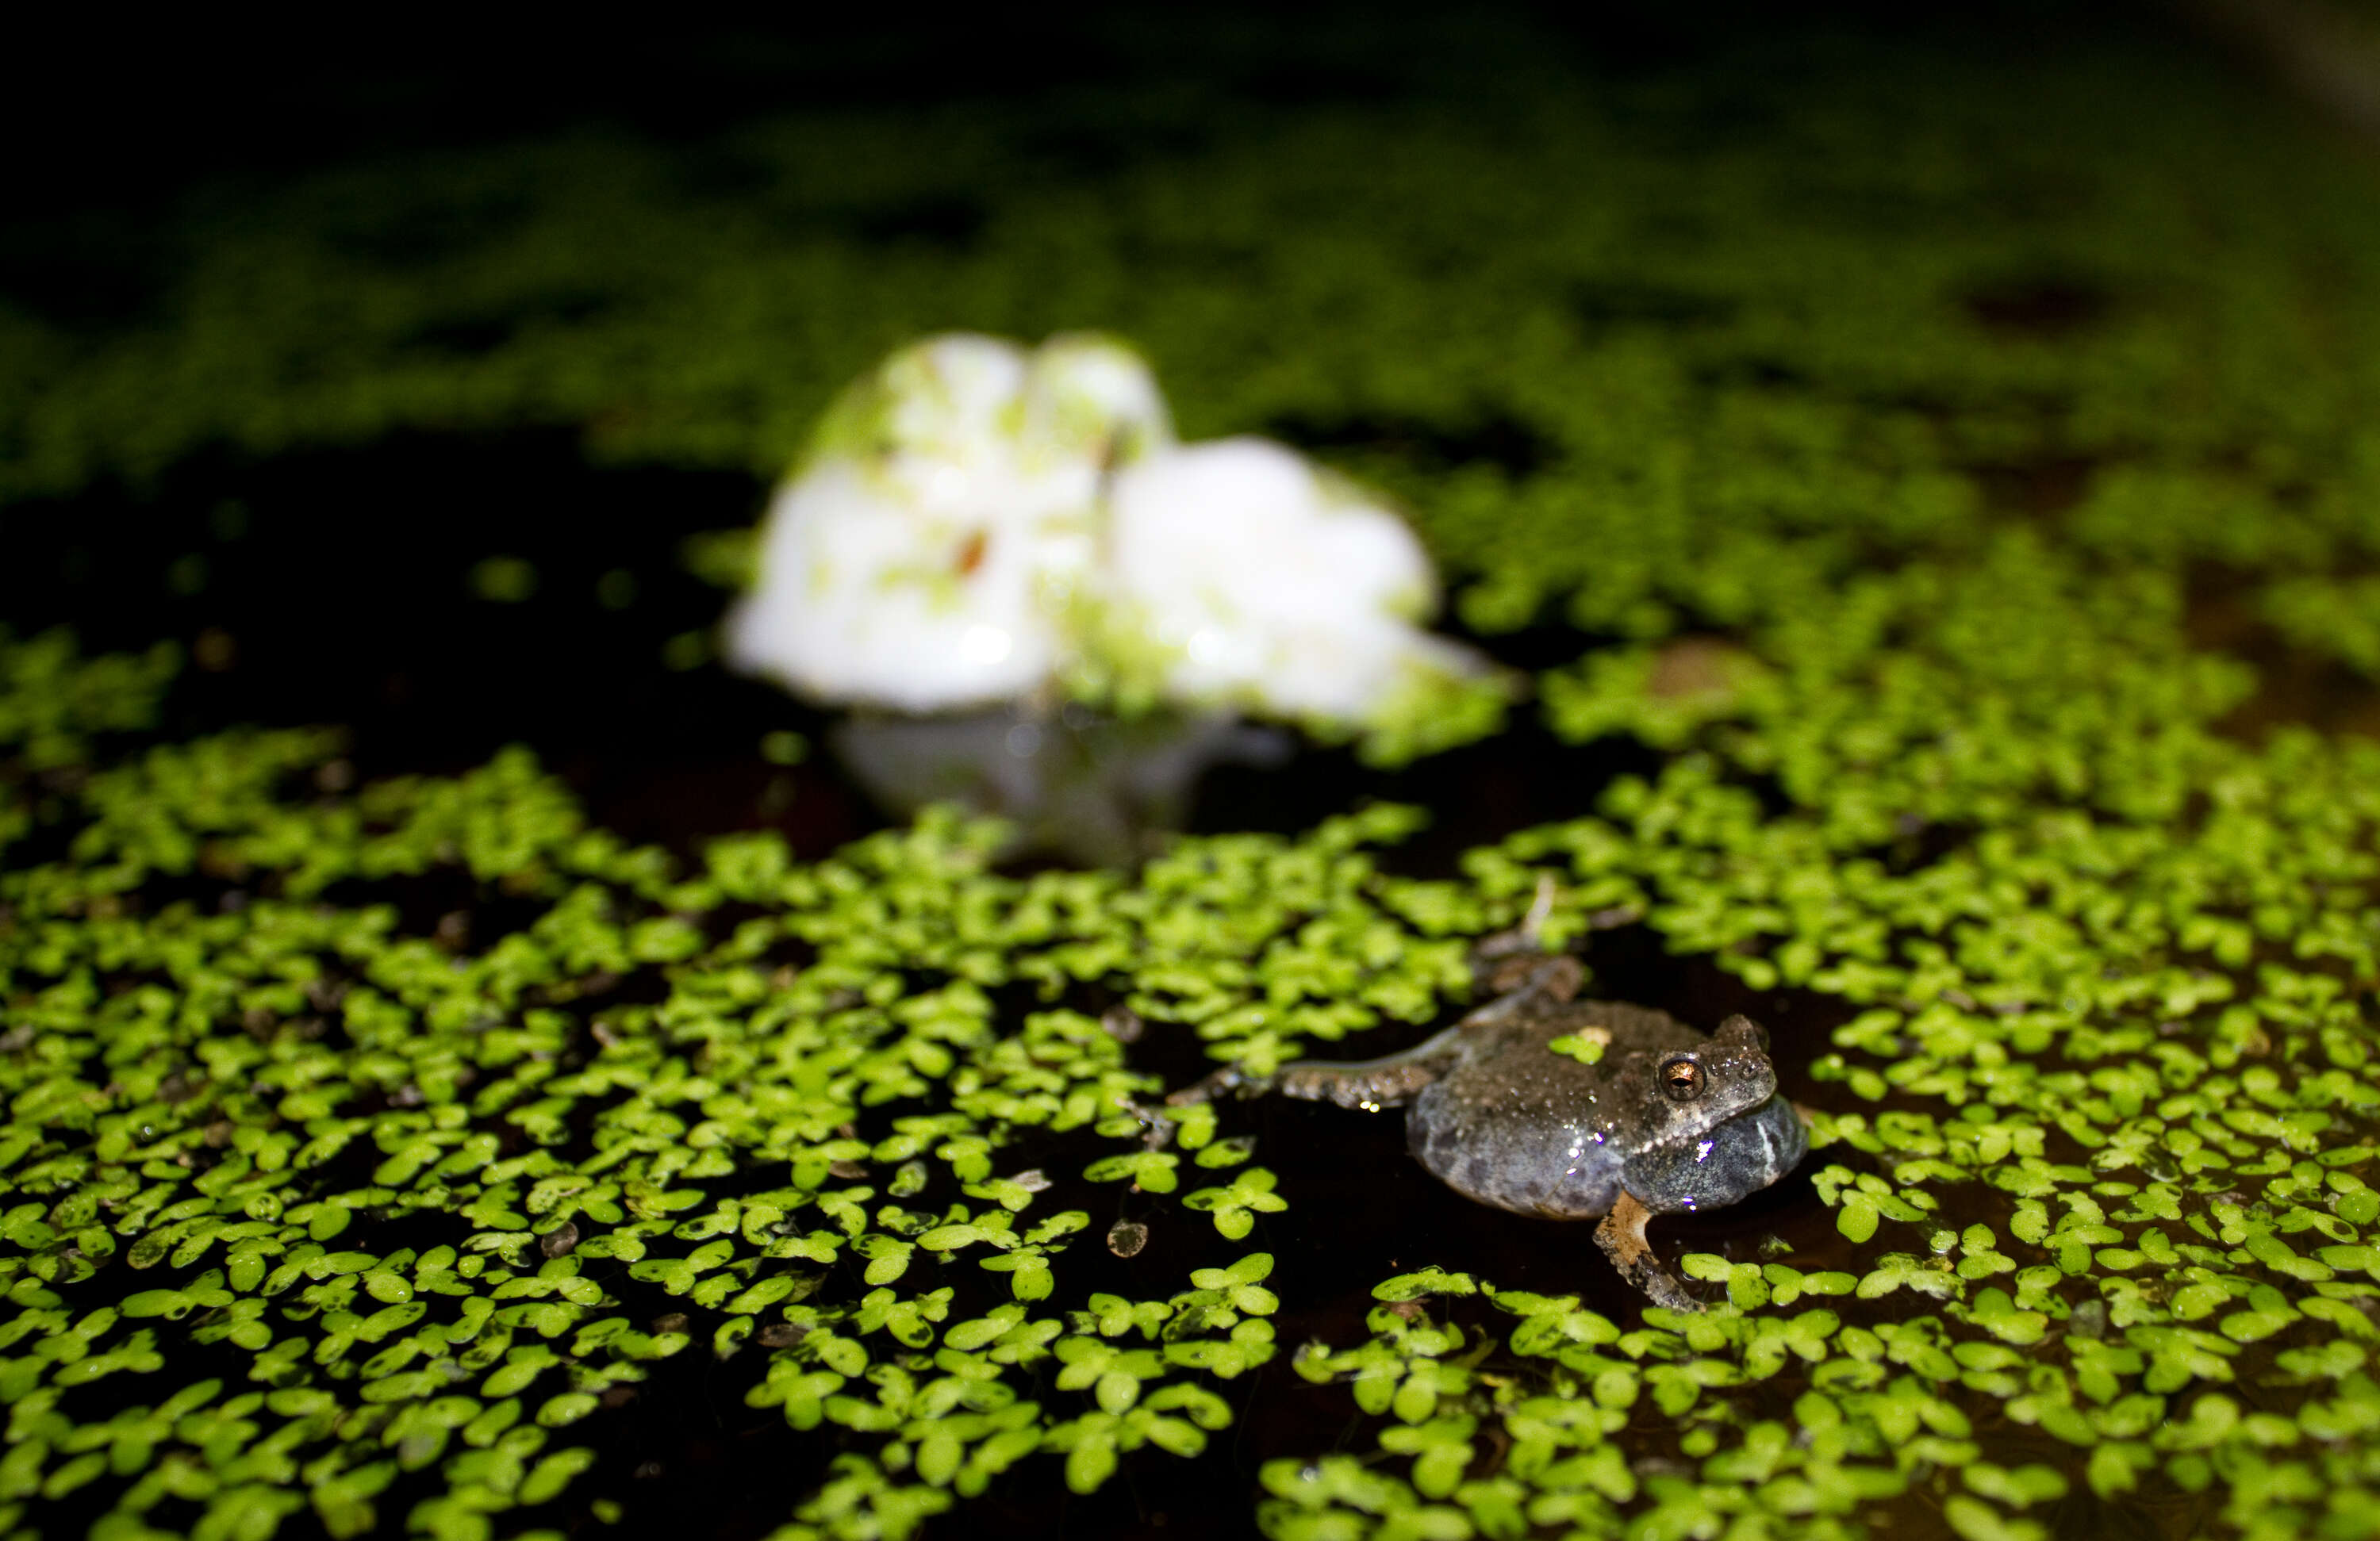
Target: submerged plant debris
<point>1946,484</point>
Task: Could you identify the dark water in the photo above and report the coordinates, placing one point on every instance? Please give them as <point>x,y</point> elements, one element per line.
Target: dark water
<point>335,587</point>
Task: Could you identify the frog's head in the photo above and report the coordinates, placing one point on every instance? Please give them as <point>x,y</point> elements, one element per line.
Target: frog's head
<point>1727,1074</point>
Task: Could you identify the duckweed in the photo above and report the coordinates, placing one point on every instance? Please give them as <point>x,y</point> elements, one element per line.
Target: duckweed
<point>1954,517</point>
<point>228,1097</point>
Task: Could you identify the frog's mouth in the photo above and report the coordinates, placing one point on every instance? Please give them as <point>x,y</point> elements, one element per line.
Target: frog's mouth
<point>1725,1163</point>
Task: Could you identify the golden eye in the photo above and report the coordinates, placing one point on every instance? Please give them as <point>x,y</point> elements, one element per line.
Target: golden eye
<point>1683,1080</point>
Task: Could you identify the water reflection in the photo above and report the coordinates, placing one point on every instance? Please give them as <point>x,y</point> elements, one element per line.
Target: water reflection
<point>1079,786</point>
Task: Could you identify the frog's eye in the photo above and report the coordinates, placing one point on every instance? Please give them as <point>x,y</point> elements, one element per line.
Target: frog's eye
<point>1681,1079</point>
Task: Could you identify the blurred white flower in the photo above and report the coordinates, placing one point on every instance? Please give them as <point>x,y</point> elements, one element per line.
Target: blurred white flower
<point>924,555</point>
<point>973,521</point>
<point>1262,580</point>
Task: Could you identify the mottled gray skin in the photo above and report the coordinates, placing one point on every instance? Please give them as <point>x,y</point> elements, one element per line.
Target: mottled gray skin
<point>1510,1123</point>
<point>1503,1119</point>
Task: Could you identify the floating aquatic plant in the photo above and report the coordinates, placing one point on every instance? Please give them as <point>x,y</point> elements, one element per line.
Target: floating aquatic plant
<point>1901,490</point>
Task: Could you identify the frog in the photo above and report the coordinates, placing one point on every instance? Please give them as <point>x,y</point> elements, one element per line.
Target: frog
<point>1544,1104</point>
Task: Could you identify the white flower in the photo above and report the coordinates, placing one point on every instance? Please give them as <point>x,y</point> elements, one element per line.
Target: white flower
<point>1262,580</point>
<point>924,555</point>
<point>973,520</point>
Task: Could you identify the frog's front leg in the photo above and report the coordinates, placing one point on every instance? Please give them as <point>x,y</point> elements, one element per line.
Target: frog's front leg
<point>1622,1236</point>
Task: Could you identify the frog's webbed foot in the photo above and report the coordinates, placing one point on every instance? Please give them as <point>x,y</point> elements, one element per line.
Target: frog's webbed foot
<point>1522,937</point>
<point>1515,963</point>
<point>1502,962</point>
<point>1558,978</point>
<point>1622,1236</point>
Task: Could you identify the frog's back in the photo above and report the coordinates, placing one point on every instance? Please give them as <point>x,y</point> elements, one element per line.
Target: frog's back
<point>1516,1125</point>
